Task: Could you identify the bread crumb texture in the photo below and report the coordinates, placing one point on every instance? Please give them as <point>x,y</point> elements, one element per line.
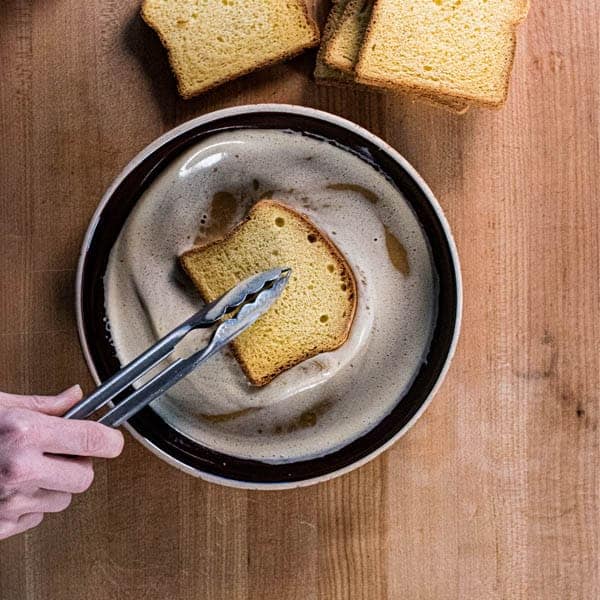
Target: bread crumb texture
<point>212,41</point>
<point>460,48</point>
<point>316,309</point>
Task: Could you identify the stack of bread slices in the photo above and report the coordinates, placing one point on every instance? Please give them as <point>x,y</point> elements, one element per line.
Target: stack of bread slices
<point>453,53</point>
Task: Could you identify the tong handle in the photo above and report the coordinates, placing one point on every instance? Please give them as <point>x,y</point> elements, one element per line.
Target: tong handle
<point>253,297</point>
<point>128,374</point>
<point>205,317</point>
<point>154,388</point>
<point>225,332</point>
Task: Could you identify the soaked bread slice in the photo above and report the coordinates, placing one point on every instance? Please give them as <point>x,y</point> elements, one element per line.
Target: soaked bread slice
<point>315,311</point>
<point>459,50</point>
<point>212,41</point>
<point>345,43</point>
<point>325,73</point>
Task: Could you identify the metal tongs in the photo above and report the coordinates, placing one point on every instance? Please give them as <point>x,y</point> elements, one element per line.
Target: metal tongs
<point>253,297</point>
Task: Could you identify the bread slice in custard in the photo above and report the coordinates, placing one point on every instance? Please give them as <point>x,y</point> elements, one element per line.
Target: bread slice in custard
<point>315,311</point>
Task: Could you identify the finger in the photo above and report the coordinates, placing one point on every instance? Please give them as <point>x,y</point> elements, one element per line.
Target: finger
<point>30,470</point>
<point>50,405</point>
<point>77,438</point>
<point>25,522</point>
<point>22,428</point>
<point>49,501</point>
<point>41,501</point>
<point>63,474</point>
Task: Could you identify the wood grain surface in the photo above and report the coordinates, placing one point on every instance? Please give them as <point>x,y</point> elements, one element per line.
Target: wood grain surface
<point>493,495</point>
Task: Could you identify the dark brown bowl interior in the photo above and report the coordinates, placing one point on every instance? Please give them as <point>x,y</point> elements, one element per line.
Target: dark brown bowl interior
<point>147,423</point>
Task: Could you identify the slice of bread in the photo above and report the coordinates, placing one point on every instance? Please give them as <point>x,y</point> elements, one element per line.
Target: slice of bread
<point>323,72</point>
<point>315,311</point>
<point>212,41</point>
<point>449,49</point>
<point>340,49</point>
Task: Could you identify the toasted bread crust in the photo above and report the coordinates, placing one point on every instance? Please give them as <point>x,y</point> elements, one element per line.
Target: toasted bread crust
<point>336,256</point>
<point>259,65</point>
<point>450,106</point>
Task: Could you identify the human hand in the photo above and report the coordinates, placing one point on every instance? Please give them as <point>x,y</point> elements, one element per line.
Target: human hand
<point>45,459</point>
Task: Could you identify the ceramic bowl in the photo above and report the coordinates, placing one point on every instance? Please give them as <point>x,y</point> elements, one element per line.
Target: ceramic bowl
<point>108,220</point>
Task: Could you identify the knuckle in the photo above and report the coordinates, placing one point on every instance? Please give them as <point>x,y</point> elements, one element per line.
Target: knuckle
<point>16,428</point>
<point>93,439</point>
<point>38,403</point>
<point>15,470</point>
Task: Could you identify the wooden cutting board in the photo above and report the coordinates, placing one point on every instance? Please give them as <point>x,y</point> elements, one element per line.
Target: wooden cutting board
<point>493,495</point>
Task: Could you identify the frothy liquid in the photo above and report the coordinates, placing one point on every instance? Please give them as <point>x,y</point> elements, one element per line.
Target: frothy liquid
<point>322,403</point>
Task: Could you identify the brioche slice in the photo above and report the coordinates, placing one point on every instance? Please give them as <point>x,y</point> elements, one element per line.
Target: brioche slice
<point>341,49</point>
<point>212,41</point>
<point>323,72</point>
<point>315,311</point>
<point>457,49</point>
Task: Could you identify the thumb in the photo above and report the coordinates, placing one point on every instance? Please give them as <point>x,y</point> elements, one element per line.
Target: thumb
<point>50,405</point>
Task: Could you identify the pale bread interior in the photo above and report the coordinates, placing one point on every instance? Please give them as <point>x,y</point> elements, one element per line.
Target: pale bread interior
<point>461,49</point>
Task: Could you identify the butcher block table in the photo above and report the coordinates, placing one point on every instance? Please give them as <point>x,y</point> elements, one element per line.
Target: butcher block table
<point>493,494</point>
